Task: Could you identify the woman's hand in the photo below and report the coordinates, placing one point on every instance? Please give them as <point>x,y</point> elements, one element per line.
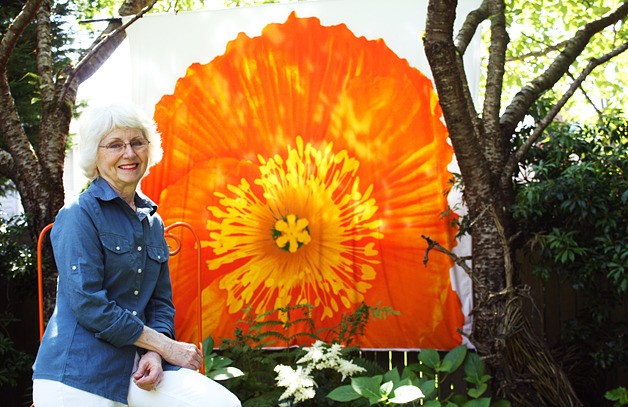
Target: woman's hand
<point>183,354</point>
<point>149,371</point>
<point>177,353</point>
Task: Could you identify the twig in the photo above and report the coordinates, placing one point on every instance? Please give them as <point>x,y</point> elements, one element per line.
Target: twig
<point>431,244</point>
<point>117,20</point>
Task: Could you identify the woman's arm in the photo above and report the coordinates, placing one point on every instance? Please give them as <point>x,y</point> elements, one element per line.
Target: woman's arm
<point>177,353</point>
<point>160,311</point>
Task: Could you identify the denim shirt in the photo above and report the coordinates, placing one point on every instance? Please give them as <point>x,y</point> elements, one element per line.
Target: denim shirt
<point>113,280</point>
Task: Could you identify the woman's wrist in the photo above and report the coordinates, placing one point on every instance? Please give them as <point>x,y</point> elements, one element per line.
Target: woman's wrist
<point>154,341</point>
<point>153,355</point>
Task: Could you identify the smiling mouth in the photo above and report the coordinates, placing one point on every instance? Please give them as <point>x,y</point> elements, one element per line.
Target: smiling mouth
<point>128,166</point>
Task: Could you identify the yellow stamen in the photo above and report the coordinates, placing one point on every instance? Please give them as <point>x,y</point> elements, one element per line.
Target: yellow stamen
<point>308,202</point>
<point>294,233</point>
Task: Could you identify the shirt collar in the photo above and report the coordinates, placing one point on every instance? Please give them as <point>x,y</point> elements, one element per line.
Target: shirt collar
<point>103,191</point>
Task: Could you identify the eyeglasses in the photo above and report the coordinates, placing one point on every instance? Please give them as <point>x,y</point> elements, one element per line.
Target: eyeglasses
<point>118,147</point>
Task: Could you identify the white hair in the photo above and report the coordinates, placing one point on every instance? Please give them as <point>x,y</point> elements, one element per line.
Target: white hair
<point>98,122</point>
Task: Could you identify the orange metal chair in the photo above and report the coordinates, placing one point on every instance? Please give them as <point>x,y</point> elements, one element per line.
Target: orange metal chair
<point>173,252</point>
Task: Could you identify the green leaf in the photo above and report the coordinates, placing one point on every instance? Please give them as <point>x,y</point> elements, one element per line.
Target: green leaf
<point>226,373</point>
<point>445,367</point>
<point>474,368</point>
<point>392,376</point>
<point>221,362</point>
<point>483,402</point>
<point>409,374</point>
<point>376,400</point>
<point>208,345</point>
<point>428,387</point>
<point>455,357</point>
<point>477,392</point>
<point>430,358</point>
<point>407,382</point>
<point>343,394</point>
<point>459,399</point>
<point>386,388</point>
<point>367,386</point>
<point>406,394</point>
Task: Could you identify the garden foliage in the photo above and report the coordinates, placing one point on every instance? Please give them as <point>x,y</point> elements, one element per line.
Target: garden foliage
<point>572,207</point>
<point>16,269</point>
<point>267,371</point>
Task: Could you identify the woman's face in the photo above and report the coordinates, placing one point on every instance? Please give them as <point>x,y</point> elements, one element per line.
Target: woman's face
<point>123,168</point>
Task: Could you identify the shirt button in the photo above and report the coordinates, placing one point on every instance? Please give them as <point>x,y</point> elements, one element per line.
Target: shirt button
<point>139,248</point>
<point>73,267</point>
<point>134,312</point>
<point>118,248</point>
<point>136,292</point>
<point>139,271</point>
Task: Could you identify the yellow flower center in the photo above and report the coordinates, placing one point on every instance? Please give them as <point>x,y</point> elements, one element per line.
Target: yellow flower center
<point>292,233</point>
<point>306,235</point>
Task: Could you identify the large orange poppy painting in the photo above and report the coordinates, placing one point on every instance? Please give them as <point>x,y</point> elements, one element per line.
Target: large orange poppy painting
<point>310,162</point>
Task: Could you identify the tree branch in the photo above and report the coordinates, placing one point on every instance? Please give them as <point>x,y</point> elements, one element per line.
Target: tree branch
<point>44,53</point>
<point>432,244</point>
<point>515,158</point>
<point>20,154</point>
<point>470,27</point>
<point>57,112</point>
<point>15,30</point>
<point>495,149</point>
<point>106,43</point>
<point>542,53</point>
<point>465,128</point>
<point>586,96</point>
<point>522,101</point>
<point>461,42</point>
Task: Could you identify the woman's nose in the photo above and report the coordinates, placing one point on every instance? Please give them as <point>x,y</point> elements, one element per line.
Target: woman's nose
<point>128,150</point>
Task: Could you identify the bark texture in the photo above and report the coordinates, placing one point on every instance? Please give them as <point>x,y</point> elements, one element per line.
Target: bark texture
<point>525,371</point>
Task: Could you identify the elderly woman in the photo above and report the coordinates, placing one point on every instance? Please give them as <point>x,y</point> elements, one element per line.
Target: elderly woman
<point>110,340</point>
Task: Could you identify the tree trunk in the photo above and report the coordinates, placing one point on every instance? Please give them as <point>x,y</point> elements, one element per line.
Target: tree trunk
<point>526,373</point>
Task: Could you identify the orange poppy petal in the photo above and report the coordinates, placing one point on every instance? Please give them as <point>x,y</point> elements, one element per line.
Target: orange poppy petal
<point>310,161</point>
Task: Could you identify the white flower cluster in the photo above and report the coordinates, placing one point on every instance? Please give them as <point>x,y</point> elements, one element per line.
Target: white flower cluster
<point>320,356</point>
<point>300,383</point>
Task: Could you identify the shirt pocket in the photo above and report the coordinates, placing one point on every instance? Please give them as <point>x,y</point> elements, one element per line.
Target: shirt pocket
<point>117,251</point>
<point>157,253</point>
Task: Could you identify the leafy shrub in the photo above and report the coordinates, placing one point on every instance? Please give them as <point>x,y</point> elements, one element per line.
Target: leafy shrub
<point>17,269</point>
<point>264,370</point>
<point>263,342</point>
<point>16,254</point>
<point>619,396</point>
<point>13,362</point>
<point>420,383</point>
<point>571,207</point>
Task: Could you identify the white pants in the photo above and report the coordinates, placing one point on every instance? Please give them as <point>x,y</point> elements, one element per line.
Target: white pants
<point>181,388</point>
